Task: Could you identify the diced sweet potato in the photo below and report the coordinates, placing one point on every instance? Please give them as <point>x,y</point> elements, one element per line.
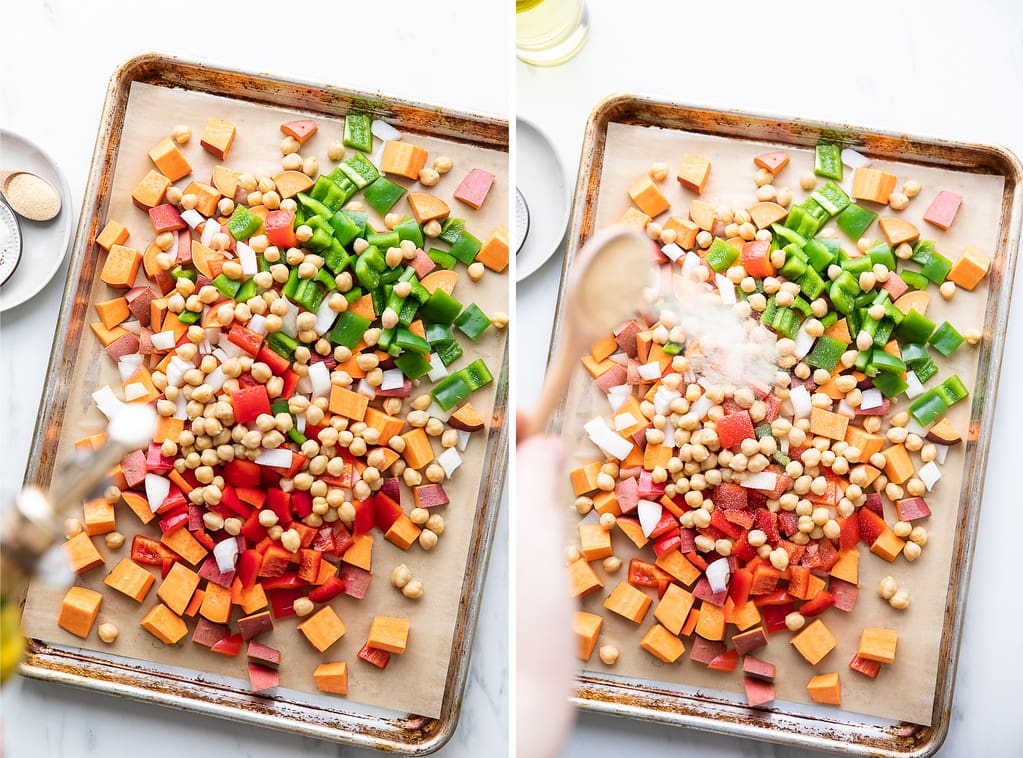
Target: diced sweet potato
<point>301,129</point>
<point>774,161</point>
<point>290,183</point>
<point>899,466</point>
<point>494,253</point>
<point>758,692</point>
<point>78,611</point>
<point>217,137</point>
<point>634,217</point>
<point>427,207</point>
<point>82,553</point>
<point>693,173</point>
<point>131,579</point>
<point>323,628</point>
<point>584,478</point>
<point>351,405</point>
<point>332,677</point>
<point>403,159</point>
<point>685,231</point>
<point>263,654</point>
<point>679,567</point>
<point>647,197</point>
<point>878,644</point>
<point>169,160</point>
<point>177,588</point>
<point>121,266</point>
<point>755,667</point>
<point>747,642</point>
<point>673,608</point>
<point>942,210</point>
<point>847,566</point>
<point>262,678</point>
<point>865,442</point>
<point>216,603</point>
<point>207,198</point>
<point>402,532</point>
<point>865,667</point>
<point>112,312</point>
<point>586,627</point>
<point>98,516</point>
<point>225,180</point>
<point>766,213</point>
<point>582,578</point>
<point>912,508</point>
<point>389,633</point>
<point>628,602</point>
<point>970,268</point>
<point>361,552</point>
<point>662,644</point>
<point>595,542</point>
<point>255,625</point>
<point>418,451</point>
<point>164,624</point>
<point>887,545</point>
<point>151,191</point>
<point>825,688</point>
<point>828,424</point>
<point>711,625</point>
<point>114,233</point>
<point>898,230</point>
<point>873,184</point>
<point>814,642</point>
<point>184,544</point>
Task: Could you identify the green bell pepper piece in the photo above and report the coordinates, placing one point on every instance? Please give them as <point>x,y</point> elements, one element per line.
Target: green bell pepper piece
<point>811,284</point>
<point>928,407</point>
<point>855,220</point>
<point>345,228</point>
<point>831,198</point>
<point>247,291</point>
<point>451,390</point>
<point>857,266</point>
<point>441,308</point>
<point>946,340</point>
<point>794,267</point>
<point>818,255</point>
<point>449,352</point>
<point>226,286</point>
<point>914,280</point>
<point>358,132</point>
<point>786,322</point>
<point>360,178</point>
<point>408,229</point>
<point>189,317</point>
<point>243,223</point>
<point>437,334</point>
<point>915,327</point>
<point>349,329</point>
<point>283,345</point>
<point>952,390</point>
<point>882,253</point>
<point>441,258</point>
<point>826,353</point>
<point>890,384</point>
<point>450,229</point>
<point>291,286</point>
<point>413,366</point>
<point>829,319</point>
<point>922,251</point>
<point>384,240</point>
<point>406,340</point>
<point>788,234</point>
<point>336,258</point>
<point>886,362</point>
<point>308,295</point>
<point>477,374</point>
<point>465,248</point>
<point>937,268</point>
<point>408,311</point>
<point>314,207</point>
<point>721,255</point>
<point>327,192</point>
<point>924,370</point>
<point>914,352</point>
<point>383,194</point>
<point>828,161</point>
<point>883,333</point>
<point>179,272</point>
<point>770,311</point>
<point>472,322</point>
<point>369,266</point>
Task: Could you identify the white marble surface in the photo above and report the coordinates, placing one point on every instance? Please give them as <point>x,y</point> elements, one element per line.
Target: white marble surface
<point>58,57</point>
<point>925,67</point>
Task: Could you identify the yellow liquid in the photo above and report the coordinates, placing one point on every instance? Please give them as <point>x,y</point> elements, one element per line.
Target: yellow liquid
<point>548,32</point>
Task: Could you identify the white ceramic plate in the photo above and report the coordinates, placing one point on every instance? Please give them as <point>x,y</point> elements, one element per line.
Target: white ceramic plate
<point>44,244</point>
<point>541,181</point>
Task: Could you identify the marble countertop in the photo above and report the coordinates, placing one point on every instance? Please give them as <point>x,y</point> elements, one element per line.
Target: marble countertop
<point>920,67</point>
<point>59,57</point>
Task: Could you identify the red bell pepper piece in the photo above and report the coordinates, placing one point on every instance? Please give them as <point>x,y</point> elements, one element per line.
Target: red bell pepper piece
<point>364,516</point>
<point>247,567</point>
<point>229,646</point>
<point>735,428</point>
<point>250,496</point>
<point>774,616</point>
<point>252,530</point>
<point>726,661</point>
<point>818,604</point>
<point>306,533</point>
<point>249,403</point>
<point>667,543</point>
<point>722,524</point>
<point>301,503</point>
<point>667,523</point>
<point>173,503</point>
<point>379,658</point>
<point>309,564</point>
<point>324,540</point>
<point>756,259</point>
<point>173,521</point>
<point>282,600</point>
<point>246,339</point>
<point>385,511</point>
<point>279,227</point>
<point>871,526</point>
<point>155,460</point>
<point>645,574</point>
<point>289,580</point>
<point>242,473</point>
<point>327,591</point>
<point>291,380</point>
<point>278,363</point>
<point>356,580</point>
<point>342,538</point>
<point>275,561</point>
<point>279,502</point>
<point>778,597</point>
<point>150,552</point>
<point>739,586</point>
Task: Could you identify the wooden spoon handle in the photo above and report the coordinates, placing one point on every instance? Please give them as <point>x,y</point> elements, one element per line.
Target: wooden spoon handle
<point>555,383</point>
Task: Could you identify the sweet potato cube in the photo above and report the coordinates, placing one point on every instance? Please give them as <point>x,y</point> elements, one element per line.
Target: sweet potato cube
<point>634,217</point>
<point>78,611</point>
<point>814,642</point>
<point>942,210</point>
<point>82,553</point>
<point>98,516</point>
<point>755,667</point>
<point>169,160</point>
<point>586,627</point>
<point>888,545</point>
<point>847,567</point>
<point>474,188</point>
<point>184,544</point>
<point>121,266</point>
<point>389,633</point>
<point>207,198</point>
<point>679,567</point>
<point>828,424</point>
<point>427,207</point>
<point>607,502</point>
<point>494,253</point>
<point>217,137</point>
<point>693,173</point>
<point>323,628</point>
<point>114,233</point>
<point>226,180</point>
<point>898,230</point>
<point>647,197</point>
<point>361,552</point>
<point>711,625</point>
<point>584,478</point>
<point>629,602</point>
<point>595,542</point>
<point>139,506</point>
<point>873,184</point>
<point>899,466</point>
<point>290,183</point>
<point>254,598</point>
<point>867,443</point>
<point>403,532</point>
<point>177,588</point>
<point>112,312</point>
<point>766,213</point>
<point>747,642</point>
<point>970,268</point>
<point>131,579</point>
<point>685,231</point>
<point>151,191</point>
<point>332,677</point>
<point>300,129</point>
<point>673,608</point>
<point>878,644</point>
<point>403,159</point>
<point>164,624</point>
<point>252,626</point>
<point>349,404</point>
<point>216,603</point>
<point>662,644</point>
<point>825,688</point>
<point>418,451</point>
<point>582,578</point>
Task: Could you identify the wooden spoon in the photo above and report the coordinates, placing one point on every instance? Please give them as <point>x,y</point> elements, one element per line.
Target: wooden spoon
<point>605,286</point>
<point>29,195</point>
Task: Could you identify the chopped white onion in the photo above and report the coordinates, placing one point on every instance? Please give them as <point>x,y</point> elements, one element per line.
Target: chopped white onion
<point>690,263</point>
<point>134,391</point>
<point>663,399</point>
<point>617,396</point>
<point>800,399</point>
<point>181,407</point>
<point>650,371</point>
<point>449,461</point>
<point>673,251</point>
<point>762,480</point>
<point>164,340</point>
<point>624,421</point>
<point>277,458</point>
<point>225,552</point>
<point>844,409</point>
<point>607,440</point>
<point>649,514</point>
<point>157,489</point>
<point>463,439</point>
<point>132,326</point>
<point>437,412</point>
<point>300,422</point>
<point>941,453</point>
<point>319,378</point>
<point>176,371</point>
<point>289,322</point>
<point>872,398</point>
<point>324,317</point>
<point>393,379</point>
<point>929,474</point>
<point>853,159</point>
<point>620,358</point>
<point>726,288</point>
<point>717,575</point>
<point>230,349</point>
<point>437,369</point>
<point>247,257</point>
<point>128,365</point>
<point>367,389</point>
<point>384,131</point>
<point>215,379</point>
<point>914,427</point>
<point>256,324</point>
<point>205,348</point>
<point>209,229</point>
<point>107,402</point>
<point>701,406</point>
<point>804,343</point>
<point>915,388</point>
<point>192,217</point>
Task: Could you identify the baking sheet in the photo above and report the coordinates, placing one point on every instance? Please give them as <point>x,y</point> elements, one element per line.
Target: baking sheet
<point>415,681</point>
<point>904,691</point>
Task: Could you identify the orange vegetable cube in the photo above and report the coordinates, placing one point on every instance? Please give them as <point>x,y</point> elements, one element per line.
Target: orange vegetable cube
<point>825,688</point>
<point>107,336</point>
<point>673,608</point>
<point>606,502</point>
<point>828,424</point>
<point>349,404</point>
<point>494,253</point>
<point>427,207</point>
<point>164,624</point>
<point>899,467</point>
<point>218,136</point>
<point>388,426</point>
<point>184,544</point>
<point>130,579</point>
<point>867,443</point>
<point>82,554</point>
<point>169,160</point>
<point>177,588</point>
<point>403,159</point>
<point>711,625</point>
<point>112,312</point>
<point>685,231</point>
<point>121,266</point>
<point>839,331</point>
<point>970,268</point>
<point>332,678</point>
<point>848,566</point>
<point>595,542</point>
<point>878,644</point>
<point>746,615</point>
<point>814,642</point>
<point>216,603</point>
<point>389,633</point>
<point>254,598</point>
<point>151,191</point>
<point>98,516</point>
<point>418,451</point>
<point>323,628</point>
<point>631,529</point>
<point>662,644</point>
<point>586,627</point>
<point>403,532</point>
<point>873,184</point>
<point>207,198</point>
<point>195,603</point>
<point>679,567</point>
<point>888,545</point>
<point>647,197</point>
<point>898,230</point>
<point>361,552</point>
<point>629,602</point>
<point>655,456</point>
<point>635,217</point>
<point>290,183</point>
<point>693,173</point>
<point>78,611</point>
<point>114,233</point>
<point>139,506</point>
<point>584,478</point>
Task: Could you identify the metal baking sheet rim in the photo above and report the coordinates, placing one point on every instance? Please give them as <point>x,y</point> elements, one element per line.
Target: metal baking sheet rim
<point>644,700</point>
<point>411,734</point>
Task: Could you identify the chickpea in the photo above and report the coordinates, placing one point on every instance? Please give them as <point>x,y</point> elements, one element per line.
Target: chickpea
<point>612,564</point>
<point>899,601</point>
<point>887,587</point>
<point>429,177</point>
<point>303,606</point>
<point>608,655</point>
<point>310,167</point>
<point>432,229</point>
<point>794,621</point>
<point>897,201</point>
<point>336,150</point>
<point>911,551</point>
<point>413,590</point>
<point>114,540</point>
<point>476,271</point>
<point>401,576</point>
<point>107,632</point>
<point>911,188</point>
<point>442,164</point>
<point>808,181</point>
<point>659,172</point>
